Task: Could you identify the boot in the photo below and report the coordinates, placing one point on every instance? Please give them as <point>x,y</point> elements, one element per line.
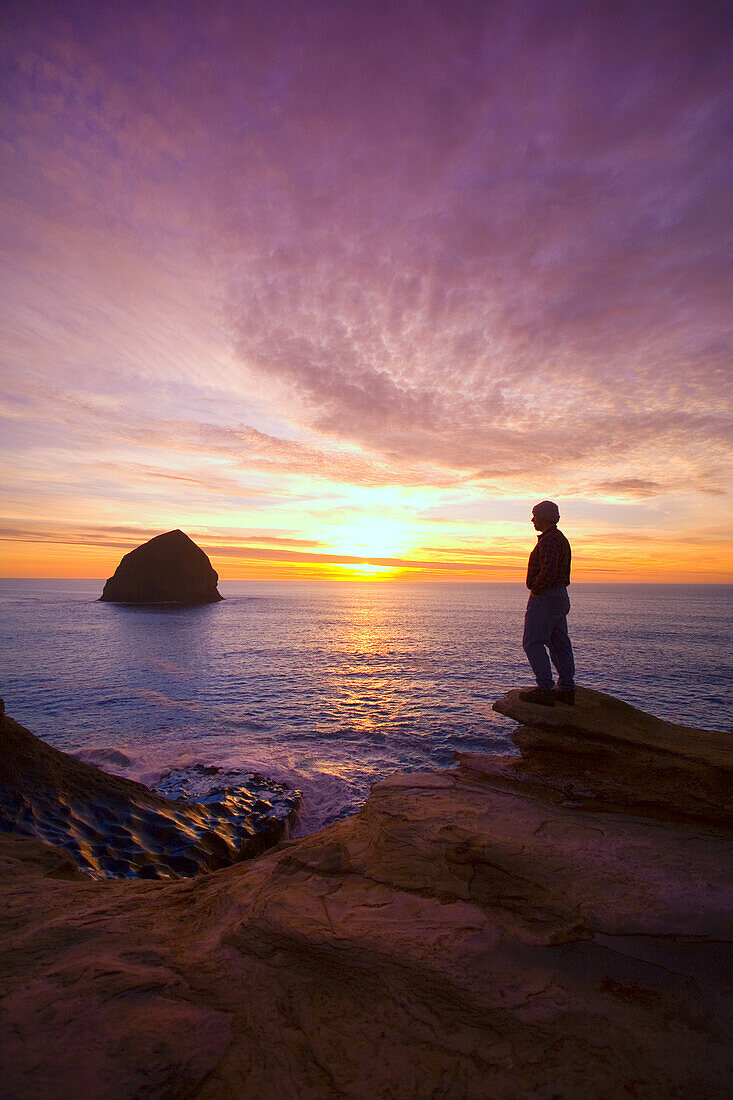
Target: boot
<point>565,695</point>
<point>538,696</point>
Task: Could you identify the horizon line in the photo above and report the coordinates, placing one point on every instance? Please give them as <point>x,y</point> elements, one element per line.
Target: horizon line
<point>371,580</point>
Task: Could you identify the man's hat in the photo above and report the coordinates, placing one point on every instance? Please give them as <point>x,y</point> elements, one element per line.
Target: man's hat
<point>546,509</point>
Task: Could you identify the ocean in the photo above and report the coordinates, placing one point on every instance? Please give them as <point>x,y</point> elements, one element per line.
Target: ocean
<point>331,686</point>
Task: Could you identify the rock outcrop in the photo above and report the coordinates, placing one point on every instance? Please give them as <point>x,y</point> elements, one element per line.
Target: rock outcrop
<point>169,569</point>
<point>605,753</point>
<point>112,827</point>
<point>497,930</point>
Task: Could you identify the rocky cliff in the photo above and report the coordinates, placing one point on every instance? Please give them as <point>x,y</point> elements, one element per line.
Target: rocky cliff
<point>556,924</point>
<point>170,568</point>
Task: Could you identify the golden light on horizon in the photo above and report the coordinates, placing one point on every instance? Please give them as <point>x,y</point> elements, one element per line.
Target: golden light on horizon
<point>382,548</point>
<point>366,571</point>
<point>375,537</point>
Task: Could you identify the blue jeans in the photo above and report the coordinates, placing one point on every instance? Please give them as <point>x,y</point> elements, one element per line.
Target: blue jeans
<point>546,627</point>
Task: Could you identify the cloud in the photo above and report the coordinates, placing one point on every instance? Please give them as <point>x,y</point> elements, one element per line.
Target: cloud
<point>123,536</point>
<point>284,248</point>
<point>533,278</point>
<point>240,448</point>
<point>277,540</point>
<point>218,546</point>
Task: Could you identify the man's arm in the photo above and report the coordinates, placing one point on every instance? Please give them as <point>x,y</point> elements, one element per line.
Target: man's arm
<point>549,561</point>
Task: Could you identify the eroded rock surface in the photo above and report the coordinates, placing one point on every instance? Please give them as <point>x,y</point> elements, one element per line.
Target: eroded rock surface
<point>113,827</point>
<point>168,569</point>
<point>475,933</point>
<point>607,752</point>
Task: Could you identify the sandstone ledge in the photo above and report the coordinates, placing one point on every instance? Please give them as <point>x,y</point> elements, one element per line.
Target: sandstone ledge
<point>470,933</point>
<point>604,751</point>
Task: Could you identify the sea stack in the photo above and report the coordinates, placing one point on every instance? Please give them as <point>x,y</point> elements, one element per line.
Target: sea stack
<point>170,568</point>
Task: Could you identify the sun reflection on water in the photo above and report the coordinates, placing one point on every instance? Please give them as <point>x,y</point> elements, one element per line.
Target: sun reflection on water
<point>367,700</point>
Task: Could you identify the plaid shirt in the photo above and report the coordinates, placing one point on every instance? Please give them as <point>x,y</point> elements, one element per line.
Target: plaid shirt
<point>549,562</point>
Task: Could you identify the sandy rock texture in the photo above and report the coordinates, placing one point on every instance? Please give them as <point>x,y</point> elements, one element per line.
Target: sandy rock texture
<point>168,569</point>
<point>490,931</point>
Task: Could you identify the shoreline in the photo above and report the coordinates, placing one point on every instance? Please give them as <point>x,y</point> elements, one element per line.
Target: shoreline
<point>506,926</point>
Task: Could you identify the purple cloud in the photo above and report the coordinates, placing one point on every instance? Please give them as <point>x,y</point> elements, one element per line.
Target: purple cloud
<point>447,242</point>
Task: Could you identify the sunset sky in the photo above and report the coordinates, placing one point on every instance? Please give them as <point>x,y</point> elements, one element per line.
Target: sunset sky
<point>342,288</point>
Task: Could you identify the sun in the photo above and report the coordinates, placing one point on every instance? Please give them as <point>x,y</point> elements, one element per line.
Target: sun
<point>367,572</point>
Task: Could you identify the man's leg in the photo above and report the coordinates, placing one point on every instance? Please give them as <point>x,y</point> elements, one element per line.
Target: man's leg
<point>537,630</point>
<point>561,652</point>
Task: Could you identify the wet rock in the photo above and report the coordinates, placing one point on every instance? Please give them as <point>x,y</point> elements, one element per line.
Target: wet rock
<point>169,569</point>
<point>113,826</point>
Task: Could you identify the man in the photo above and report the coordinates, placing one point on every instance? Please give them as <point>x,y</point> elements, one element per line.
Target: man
<point>545,622</point>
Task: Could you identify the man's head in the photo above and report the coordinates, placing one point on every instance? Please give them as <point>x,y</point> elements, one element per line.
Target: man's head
<point>545,515</point>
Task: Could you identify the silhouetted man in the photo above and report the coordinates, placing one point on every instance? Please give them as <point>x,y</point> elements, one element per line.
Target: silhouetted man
<point>545,622</point>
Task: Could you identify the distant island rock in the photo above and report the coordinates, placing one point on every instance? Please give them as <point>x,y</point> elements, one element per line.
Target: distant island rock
<point>170,568</point>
